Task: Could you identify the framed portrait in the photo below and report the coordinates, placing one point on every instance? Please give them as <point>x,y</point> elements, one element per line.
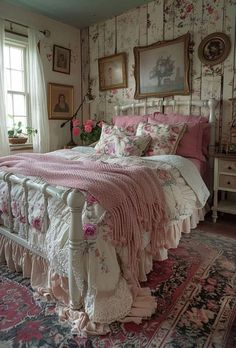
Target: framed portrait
<point>60,101</point>
<point>214,49</point>
<point>162,69</point>
<point>112,72</point>
<point>61,59</point>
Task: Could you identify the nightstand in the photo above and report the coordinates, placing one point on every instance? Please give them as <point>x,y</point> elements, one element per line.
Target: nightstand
<point>224,181</point>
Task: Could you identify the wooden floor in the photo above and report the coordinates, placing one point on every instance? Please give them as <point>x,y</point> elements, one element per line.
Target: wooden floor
<point>225,225</point>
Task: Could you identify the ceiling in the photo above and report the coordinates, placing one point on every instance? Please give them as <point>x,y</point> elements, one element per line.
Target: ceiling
<point>78,13</point>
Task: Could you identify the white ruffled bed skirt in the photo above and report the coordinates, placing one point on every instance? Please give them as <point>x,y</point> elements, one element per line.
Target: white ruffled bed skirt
<point>47,283</point>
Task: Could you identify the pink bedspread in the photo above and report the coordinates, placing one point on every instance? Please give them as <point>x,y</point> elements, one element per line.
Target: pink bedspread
<point>132,195</point>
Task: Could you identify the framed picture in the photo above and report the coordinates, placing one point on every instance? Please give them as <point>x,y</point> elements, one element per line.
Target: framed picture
<point>112,72</point>
<point>214,49</point>
<point>61,59</point>
<point>162,69</point>
<point>60,101</point>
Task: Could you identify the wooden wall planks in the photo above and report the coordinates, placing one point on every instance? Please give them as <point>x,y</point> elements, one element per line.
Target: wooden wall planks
<point>156,21</point>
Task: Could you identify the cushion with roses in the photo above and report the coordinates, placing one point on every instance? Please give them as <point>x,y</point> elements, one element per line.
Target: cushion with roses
<point>115,142</point>
<point>165,137</point>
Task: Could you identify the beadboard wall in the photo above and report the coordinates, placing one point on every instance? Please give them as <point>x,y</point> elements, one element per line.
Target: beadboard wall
<point>163,20</point>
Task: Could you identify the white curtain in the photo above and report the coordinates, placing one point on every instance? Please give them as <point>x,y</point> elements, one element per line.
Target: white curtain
<point>38,97</point>
<point>4,144</point>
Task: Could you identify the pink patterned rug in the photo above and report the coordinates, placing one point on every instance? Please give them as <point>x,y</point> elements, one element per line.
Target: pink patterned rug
<point>195,291</point>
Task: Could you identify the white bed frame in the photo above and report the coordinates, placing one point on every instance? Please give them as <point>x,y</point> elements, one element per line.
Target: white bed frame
<point>74,199</point>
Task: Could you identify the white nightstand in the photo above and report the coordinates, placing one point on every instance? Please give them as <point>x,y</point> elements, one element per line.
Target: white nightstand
<point>224,181</point>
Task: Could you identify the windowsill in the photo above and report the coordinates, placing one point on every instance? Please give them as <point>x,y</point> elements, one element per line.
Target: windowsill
<point>21,147</point>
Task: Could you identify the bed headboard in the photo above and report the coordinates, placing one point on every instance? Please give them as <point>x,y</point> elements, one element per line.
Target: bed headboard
<point>135,108</point>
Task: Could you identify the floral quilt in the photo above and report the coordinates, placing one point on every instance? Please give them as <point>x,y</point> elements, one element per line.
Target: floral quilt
<point>101,268</point>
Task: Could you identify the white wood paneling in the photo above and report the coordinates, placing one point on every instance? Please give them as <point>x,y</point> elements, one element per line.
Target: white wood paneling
<point>164,20</point>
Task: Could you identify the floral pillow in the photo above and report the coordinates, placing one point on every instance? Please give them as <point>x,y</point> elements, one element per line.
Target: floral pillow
<point>165,137</point>
<point>115,142</point>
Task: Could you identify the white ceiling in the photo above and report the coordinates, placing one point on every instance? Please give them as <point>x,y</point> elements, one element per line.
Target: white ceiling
<point>78,13</point>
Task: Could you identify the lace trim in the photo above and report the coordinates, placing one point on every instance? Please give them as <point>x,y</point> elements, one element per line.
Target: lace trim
<point>106,309</point>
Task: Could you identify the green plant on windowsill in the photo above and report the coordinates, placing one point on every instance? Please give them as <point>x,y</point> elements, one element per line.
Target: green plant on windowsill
<point>16,135</point>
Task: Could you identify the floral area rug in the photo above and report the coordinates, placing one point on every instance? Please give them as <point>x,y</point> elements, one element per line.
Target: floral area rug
<point>195,290</point>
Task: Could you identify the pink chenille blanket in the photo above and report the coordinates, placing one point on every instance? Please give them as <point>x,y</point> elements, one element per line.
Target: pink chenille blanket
<point>132,195</point>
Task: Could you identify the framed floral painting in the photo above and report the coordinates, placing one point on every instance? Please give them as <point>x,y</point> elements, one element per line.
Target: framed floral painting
<point>162,69</point>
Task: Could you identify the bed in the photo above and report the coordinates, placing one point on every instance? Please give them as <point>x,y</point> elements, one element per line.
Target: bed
<point>62,237</point>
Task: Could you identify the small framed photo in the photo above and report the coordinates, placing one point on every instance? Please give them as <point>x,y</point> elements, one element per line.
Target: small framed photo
<point>214,49</point>
<point>162,69</point>
<point>61,59</point>
<point>112,72</point>
<point>60,101</point>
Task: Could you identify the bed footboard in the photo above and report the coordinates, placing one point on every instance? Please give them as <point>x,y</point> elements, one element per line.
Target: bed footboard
<point>74,199</point>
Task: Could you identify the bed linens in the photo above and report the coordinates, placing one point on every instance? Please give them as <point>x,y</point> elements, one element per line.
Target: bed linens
<point>100,267</point>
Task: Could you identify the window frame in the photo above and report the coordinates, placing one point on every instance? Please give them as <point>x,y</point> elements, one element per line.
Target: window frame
<point>20,42</point>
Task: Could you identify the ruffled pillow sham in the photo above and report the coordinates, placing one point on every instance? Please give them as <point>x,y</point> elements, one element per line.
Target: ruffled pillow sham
<point>116,142</point>
<point>165,137</point>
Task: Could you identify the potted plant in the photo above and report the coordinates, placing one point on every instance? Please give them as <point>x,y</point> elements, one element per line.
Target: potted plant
<point>16,136</point>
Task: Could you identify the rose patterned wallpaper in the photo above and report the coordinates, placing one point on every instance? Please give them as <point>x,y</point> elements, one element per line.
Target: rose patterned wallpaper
<point>156,21</point>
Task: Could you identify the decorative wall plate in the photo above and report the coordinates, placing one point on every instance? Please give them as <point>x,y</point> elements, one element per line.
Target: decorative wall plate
<point>214,49</point>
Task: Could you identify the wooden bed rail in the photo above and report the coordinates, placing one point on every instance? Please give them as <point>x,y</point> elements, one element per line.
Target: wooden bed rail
<point>74,199</point>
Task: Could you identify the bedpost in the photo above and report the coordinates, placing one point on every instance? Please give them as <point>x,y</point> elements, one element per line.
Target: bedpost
<point>212,120</point>
<point>75,201</point>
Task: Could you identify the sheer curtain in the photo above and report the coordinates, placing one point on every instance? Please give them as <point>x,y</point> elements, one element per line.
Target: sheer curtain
<point>38,97</point>
<point>4,144</point>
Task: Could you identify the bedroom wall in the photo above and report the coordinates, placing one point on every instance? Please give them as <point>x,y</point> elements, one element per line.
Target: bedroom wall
<point>62,35</point>
<point>164,20</point>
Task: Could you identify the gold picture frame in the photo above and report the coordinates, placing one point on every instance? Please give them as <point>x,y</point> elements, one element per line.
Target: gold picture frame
<point>60,101</point>
<point>214,48</point>
<point>61,59</point>
<point>112,72</point>
<point>162,69</point>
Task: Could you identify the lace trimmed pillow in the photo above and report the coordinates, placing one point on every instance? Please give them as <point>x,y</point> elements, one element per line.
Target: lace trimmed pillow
<point>165,137</point>
<point>115,142</point>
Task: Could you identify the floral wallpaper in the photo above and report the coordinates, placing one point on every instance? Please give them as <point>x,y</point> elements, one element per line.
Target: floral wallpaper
<point>164,20</point>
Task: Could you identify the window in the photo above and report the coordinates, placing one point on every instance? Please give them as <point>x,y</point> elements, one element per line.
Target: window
<point>16,83</point>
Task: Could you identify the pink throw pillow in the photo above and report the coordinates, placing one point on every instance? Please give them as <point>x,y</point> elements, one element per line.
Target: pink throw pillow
<point>191,145</point>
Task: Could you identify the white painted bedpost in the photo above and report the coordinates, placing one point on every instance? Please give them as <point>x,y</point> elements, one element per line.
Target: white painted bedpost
<point>212,120</point>
<point>75,201</point>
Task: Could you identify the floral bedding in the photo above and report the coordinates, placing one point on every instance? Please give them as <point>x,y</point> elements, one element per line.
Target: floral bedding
<point>101,268</point>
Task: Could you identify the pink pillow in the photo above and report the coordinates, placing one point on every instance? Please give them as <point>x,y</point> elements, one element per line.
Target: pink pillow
<point>191,144</point>
<point>129,122</point>
<point>177,118</point>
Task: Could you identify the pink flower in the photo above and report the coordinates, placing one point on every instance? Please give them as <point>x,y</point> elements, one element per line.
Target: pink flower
<point>76,123</point>
<point>90,199</point>
<point>37,224</point>
<point>88,123</point>
<point>89,231</point>
<point>189,8</point>
<point>88,128</point>
<point>75,131</point>
<point>100,124</point>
